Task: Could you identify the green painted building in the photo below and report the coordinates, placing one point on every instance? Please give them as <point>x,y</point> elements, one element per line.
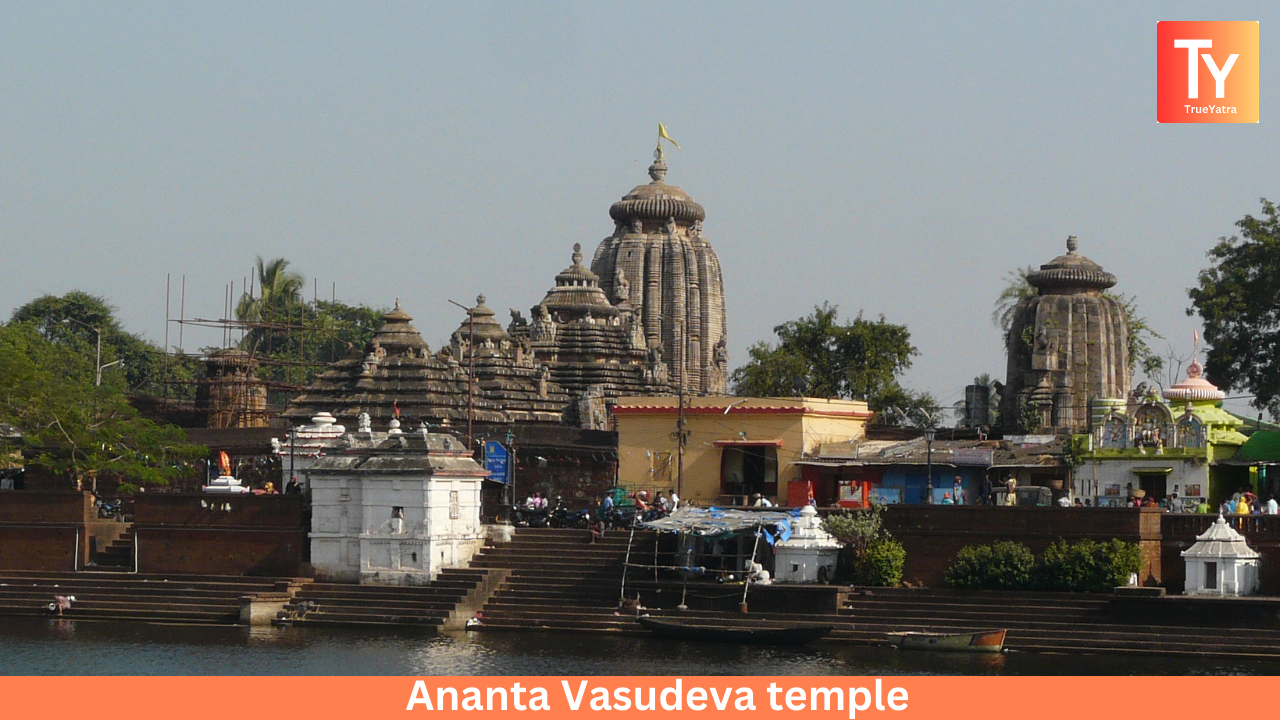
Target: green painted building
<point>1179,447</point>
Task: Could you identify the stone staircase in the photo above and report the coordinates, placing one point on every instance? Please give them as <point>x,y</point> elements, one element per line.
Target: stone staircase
<point>1038,622</point>
<point>118,555</point>
<point>210,599</point>
<point>559,579</point>
<point>448,601</point>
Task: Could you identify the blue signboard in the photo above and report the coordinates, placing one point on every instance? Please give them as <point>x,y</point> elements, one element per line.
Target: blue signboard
<point>495,461</point>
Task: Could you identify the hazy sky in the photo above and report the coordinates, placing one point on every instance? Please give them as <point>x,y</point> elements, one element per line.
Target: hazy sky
<point>894,159</point>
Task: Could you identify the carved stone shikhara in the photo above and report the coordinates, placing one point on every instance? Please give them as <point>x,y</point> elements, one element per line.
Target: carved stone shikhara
<point>1067,345</point>
<point>659,258</point>
<point>646,317</point>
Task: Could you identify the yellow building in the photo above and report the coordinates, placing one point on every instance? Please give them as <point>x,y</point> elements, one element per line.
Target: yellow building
<point>735,447</point>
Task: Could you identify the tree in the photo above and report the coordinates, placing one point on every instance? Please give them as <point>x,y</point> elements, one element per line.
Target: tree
<point>1238,297</point>
<point>278,289</point>
<point>873,557</point>
<point>72,322</point>
<point>818,356</point>
<point>1017,290</point>
<point>294,338</point>
<point>75,428</point>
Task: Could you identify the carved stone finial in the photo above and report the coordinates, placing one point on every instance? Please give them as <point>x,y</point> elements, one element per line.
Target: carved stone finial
<point>1072,244</point>
<point>397,303</point>
<point>577,253</point>
<point>658,170</point>
<point>480,300</point>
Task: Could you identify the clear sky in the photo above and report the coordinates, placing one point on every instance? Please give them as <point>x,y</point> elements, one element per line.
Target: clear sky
<point>894,159</point>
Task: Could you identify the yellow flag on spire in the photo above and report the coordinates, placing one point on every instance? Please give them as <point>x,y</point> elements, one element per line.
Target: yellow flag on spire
<point>662,135</point>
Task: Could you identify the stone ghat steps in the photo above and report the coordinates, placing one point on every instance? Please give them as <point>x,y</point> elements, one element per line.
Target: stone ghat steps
<point>389,594</point>
<point>203,580</point>
<point>369,616</point>
<point>121,596</point>
<point>117,554</point>
<point>1047,638</point>
<point>592,592</point>
<point>983,614</point>
<point>370,605</point>
<point>559,578</point>
<point>111,585</point>
<point>567,557</point>
<point>557,583</point>
<point>1045,635</point>
<point>81,609</point>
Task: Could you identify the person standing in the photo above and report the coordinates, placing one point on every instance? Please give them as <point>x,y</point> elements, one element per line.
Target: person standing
<point>957,491</point>
<point>675,501</point>
<point>1272,507</point>
<point>1011,493</point>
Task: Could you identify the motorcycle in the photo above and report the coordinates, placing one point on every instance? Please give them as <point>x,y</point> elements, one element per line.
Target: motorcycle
<point>563,517</point>
<point>619,517</point>
<point>110,509</point>
<point>522,516</point>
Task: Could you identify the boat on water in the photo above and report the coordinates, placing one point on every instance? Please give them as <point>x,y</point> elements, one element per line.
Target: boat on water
<point>985,641</point>
<point>742,634</point>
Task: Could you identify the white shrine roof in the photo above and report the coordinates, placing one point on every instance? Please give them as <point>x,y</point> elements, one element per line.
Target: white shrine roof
<point>807,533</point>
<point>1221,541</point>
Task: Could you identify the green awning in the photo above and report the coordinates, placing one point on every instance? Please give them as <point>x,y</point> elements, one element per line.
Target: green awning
<point>1262,446</point>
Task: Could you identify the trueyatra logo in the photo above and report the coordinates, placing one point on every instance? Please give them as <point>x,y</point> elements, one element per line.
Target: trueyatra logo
<point>1207,72</point>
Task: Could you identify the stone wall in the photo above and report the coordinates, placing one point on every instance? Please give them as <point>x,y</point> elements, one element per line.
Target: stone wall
<point>207,534</point>
<point>933,534</point>
<point>1262,532</point>
<point>43,530</point>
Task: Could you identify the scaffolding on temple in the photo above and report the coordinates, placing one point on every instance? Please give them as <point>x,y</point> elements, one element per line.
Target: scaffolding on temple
<point>232,392</point>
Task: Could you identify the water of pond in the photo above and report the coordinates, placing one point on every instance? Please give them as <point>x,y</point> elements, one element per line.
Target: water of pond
<point>38,646</point>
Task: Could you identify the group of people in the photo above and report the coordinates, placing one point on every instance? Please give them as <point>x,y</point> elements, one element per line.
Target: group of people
<point>661,504</point>
<point>1246,503</point>
<point>536,502</point>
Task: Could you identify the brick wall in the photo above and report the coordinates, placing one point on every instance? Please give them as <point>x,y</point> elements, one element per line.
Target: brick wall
<point>933,534</point>
<point>43,530</point>
<point>221,534</point>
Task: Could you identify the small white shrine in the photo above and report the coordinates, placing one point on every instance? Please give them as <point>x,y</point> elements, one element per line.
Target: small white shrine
<point>809,555</point>
<point>1221,563</point>
<point>393,507</point>
<point>306,444</point>
<point>225,482</point>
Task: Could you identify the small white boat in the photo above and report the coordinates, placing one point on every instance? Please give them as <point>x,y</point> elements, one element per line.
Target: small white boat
<point>985,641</point>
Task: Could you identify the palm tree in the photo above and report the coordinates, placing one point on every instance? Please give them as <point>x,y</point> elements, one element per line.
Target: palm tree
<point>281,289</point>
<point>1015,291</point>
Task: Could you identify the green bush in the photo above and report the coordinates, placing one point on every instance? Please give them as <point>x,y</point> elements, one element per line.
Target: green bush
<point>1081,566</point>
<point>880,566</point>
<point>999,566</point>
<point>1088,565</point>
<point>871,556</point>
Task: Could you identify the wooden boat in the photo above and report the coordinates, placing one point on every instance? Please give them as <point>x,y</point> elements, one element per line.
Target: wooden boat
<point>986,641</point>
<point>743,634</point>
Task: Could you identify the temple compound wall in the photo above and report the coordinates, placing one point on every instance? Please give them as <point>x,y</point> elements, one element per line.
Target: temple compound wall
<point>200,533</point>
<point>43,530</point>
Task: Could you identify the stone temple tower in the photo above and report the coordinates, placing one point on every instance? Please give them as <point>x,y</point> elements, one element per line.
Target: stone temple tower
<point>658,260</point>
<point>1068,345</point>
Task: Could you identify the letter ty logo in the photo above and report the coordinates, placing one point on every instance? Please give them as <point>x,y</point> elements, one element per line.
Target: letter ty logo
<point>1191,57</point>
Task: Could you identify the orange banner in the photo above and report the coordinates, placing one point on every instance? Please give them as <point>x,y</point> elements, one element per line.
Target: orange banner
<point>367,698</point>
